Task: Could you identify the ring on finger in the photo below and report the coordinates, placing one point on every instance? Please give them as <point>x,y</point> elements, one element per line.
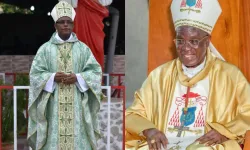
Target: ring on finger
<point>152,141</point>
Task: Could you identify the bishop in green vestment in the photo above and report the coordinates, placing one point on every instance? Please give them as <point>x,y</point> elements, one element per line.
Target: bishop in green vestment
<point>65,90</point>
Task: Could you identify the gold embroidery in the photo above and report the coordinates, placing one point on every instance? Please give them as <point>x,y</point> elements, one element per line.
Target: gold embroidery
<point>65,99</point>
<point>63,9</point>
<point>194,23</point>
<point>190,9</point>
<point>176,129</point>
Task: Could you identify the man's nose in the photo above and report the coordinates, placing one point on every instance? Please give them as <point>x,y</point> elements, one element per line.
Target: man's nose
<point>65,24</point>
<point>186,46</point>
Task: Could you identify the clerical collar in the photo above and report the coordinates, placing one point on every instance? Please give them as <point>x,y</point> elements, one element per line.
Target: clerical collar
<point>61,40</point>
<point>191,72</point>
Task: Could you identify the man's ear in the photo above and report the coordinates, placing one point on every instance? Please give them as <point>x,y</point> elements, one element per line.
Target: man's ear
<point>208,40</point>
<point>55,26</point>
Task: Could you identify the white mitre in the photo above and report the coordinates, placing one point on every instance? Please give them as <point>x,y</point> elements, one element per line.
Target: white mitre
<point>74,3</point>
<point>202,14</point>
<point>63,9</point>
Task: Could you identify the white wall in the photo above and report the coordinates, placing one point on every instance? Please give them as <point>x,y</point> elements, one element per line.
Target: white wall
<point>136,39</point>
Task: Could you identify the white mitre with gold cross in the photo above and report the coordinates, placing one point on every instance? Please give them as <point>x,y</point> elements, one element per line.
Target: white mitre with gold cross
<point>63,9</point>
<point>202,14</point>
<point>73,3</point>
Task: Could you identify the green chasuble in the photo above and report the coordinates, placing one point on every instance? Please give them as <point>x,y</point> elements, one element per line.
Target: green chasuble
<point>67,118</point>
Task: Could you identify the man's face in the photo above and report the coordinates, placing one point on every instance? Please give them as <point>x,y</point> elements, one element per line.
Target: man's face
<point>64,27</point>
<point>191,44</point>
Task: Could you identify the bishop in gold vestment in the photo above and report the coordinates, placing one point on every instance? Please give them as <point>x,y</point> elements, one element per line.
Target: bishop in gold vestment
<point>228,108</point>
<point>194,94</point>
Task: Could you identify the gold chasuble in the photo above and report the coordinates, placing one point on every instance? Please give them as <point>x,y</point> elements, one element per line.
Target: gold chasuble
<point>65,99</point>
<point>227,104</point>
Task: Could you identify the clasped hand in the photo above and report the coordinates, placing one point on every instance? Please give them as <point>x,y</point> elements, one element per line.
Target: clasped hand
<point>61,77</point>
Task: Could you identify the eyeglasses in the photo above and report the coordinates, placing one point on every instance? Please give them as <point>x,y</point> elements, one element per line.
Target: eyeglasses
<point>193,43</point>
<point>61,22</point>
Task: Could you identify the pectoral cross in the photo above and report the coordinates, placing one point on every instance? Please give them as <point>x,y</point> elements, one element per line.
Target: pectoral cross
<point>64,8</point>
<point>180,129</point>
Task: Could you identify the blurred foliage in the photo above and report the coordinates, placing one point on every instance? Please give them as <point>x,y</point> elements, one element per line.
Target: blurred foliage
<point>11,9</point>
<point>8,108</point>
